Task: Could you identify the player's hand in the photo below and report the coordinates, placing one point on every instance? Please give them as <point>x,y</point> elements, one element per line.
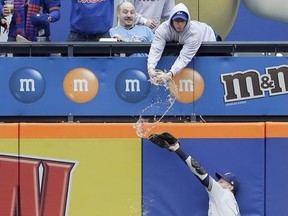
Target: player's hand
<point>151,23</point>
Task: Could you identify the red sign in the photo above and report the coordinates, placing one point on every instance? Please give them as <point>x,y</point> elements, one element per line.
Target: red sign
<point>26,189</point>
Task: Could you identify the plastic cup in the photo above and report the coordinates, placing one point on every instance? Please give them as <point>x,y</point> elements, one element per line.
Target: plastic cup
<point>41,39</point>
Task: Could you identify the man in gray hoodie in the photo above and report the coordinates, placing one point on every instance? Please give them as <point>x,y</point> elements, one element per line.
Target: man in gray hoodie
<point>178,28</point>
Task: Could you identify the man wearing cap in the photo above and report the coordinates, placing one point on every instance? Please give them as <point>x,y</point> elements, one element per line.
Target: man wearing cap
<point>222,201</point>
<point>178,28</point>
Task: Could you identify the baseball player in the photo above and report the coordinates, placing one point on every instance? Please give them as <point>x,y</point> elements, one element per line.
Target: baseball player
<point>178,28</point>
<point>222,201</point>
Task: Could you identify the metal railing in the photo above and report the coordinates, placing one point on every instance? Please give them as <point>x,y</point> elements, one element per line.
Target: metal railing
<point>71,49</point>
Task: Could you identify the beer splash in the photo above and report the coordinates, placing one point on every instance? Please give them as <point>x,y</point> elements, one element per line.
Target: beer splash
<point>143,126</point>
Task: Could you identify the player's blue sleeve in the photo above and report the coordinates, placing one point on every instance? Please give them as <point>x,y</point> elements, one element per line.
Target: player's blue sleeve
<point>195,167</point>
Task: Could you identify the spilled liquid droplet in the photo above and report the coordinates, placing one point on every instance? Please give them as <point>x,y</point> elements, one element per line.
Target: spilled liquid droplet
<point>143,126</point>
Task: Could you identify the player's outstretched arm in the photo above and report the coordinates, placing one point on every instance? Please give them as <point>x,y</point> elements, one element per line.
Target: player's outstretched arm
<point>171,143</point>
<point>194,166</point>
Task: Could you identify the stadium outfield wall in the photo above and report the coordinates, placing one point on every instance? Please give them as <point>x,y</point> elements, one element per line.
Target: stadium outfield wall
<point>106,169</point>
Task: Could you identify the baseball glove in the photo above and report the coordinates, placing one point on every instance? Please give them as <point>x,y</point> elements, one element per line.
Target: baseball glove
<point>163,140</point>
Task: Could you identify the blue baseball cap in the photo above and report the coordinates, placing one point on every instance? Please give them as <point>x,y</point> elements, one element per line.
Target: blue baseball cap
<point>231,178</point>
<point>180,15</point>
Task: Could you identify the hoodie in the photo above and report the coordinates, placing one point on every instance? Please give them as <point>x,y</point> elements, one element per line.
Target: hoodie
<point>192,36</point>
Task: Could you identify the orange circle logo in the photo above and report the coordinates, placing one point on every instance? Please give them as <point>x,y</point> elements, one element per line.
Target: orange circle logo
<point>80,85</point>
<point>187,86</point>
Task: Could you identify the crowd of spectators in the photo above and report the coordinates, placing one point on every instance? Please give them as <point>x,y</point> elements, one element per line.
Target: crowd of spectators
<point>89,20</point>
<point>155,22</point>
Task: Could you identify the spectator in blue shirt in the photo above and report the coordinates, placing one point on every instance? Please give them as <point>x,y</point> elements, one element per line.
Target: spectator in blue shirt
<point>90,20</point>
<point>151,13</point>
<point>127,31</point>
